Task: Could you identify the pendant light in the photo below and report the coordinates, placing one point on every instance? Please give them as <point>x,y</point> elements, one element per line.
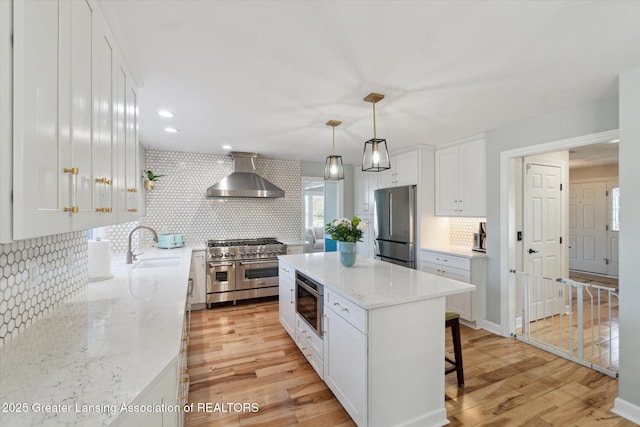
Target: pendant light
<point>376,156</point>
<point>333,169</point>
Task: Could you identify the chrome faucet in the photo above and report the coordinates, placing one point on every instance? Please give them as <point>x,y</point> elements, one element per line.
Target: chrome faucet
<point>130,255</point>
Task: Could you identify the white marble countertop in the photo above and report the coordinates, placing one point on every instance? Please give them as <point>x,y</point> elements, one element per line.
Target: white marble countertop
<point>102,348</point>
<point>371,283</point>
<point>457,250</point>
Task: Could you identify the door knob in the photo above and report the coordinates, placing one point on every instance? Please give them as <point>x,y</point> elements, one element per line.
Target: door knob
<point>531,251</point>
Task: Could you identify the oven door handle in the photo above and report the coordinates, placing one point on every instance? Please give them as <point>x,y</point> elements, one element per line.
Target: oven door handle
<point>220,264</point>
<point>258,262</point>
<point>308,288</point>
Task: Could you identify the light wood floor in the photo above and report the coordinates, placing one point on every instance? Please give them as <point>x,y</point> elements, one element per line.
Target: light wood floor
<point>242,355</point>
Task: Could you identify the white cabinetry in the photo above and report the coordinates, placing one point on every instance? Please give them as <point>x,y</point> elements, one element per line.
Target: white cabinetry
<point>404,171</point>
<point>472,270</point>
<point>379,363</point>
<point>287,278</point>
<point>461,180</point>
<point>198,275</point>
<point>63,111</point>
<point>365,184</point>
<point>346,349</point>
<point>126,134</point>
<point>311,345</point>
<point>6,119</point>
<point>366,248</point>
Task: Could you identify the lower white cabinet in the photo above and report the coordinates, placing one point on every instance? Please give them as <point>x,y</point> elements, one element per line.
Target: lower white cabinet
<point>344,372</point>
<point>287,278</point>
<point>311,345</point>
<point>198,274</point>
<point>472,270</point>
<point>366,247</point>
<point>385,365</point>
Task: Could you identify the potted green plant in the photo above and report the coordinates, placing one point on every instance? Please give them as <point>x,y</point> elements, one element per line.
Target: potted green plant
<point>150,179</point>
<point>347,232</point>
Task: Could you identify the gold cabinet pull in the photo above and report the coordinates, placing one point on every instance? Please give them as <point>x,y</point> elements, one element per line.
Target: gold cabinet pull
<point>73,171</point>
<point>72,209</point>
<point>132,190</point>
<point>132,210</point>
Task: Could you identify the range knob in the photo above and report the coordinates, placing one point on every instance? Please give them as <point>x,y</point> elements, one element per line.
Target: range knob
<point>220,255</point>
<point>241,253</point>
<point>269,252</point>
<point>233,254</point>
<point>226,255</point>
<point>254,253</point>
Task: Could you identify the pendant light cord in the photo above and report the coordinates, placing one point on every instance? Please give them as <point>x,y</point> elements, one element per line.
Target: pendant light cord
<point>374,120</point>
<point>333,150</point>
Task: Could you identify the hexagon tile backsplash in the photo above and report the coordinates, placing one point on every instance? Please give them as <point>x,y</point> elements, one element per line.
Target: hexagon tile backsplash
<point>36,275</point>
<point>178,203</point>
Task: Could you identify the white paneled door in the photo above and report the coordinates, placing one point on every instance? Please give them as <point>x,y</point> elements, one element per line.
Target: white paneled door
<point>542,228</point>
<point>588,227</point>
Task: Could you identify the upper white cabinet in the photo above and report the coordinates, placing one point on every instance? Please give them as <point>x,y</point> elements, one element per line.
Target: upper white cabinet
<point>461,180</point>
<point>365,184</point>
<point>404,171</point>
<point>6,120</point>
<point>126,135</point>
<point>64,64</point>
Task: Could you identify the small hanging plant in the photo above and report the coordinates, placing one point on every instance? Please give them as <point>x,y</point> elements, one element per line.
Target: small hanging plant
<point>150,179</point>
<point>151,176</point>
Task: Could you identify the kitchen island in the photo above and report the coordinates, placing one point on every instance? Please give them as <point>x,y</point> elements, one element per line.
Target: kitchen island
<point>381,348</point>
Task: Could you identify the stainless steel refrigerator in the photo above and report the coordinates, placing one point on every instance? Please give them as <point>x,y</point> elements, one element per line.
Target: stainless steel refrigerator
<point>395,225</point>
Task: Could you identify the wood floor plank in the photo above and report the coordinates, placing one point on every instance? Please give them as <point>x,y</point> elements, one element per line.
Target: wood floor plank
<point>242,354</point>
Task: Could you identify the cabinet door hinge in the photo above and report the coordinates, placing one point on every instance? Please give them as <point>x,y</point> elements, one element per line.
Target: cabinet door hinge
<point>561,240</point>
<point>560,187</point>
<point>606,193</point>
<point>606,227</point>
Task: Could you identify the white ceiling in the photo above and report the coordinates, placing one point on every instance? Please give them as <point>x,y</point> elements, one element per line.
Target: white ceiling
<point>605,153</point>
<point>266,76</point>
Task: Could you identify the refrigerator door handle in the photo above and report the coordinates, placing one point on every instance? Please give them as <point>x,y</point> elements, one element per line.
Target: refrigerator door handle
<point>390,214</point>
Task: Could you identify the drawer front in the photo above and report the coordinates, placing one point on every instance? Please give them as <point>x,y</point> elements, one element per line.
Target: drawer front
<point>287,271</point>
<point>309,336</point>
<point>446,271</point>
<point>344,308</point>
<point>313,357</point>
<point>448,260</point>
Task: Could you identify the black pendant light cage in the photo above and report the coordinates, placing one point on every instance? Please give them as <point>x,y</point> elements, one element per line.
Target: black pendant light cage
<point>375,157</point>
<point>333,168</point>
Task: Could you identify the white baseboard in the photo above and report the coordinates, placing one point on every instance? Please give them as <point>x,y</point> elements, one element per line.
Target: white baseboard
<point>490,326</point>
<point>626,410</point>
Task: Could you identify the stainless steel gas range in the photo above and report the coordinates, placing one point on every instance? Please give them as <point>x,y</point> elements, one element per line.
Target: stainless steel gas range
<point>241,269</point>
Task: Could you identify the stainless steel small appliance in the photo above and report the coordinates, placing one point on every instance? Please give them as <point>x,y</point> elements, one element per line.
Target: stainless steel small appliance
<point>241,269</point>
<point>309,301</point>
<point>480,238</point>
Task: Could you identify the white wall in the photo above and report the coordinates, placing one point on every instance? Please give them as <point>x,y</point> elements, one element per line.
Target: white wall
<point>628,402</point>
<point>604,171</point>
<point>593,117</point>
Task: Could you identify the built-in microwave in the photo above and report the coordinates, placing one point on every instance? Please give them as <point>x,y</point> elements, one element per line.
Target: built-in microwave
<point>309,301</point>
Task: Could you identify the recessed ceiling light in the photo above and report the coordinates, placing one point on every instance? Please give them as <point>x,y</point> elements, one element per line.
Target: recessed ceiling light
<point>227,147</point>
<point>165,113</point>
<point>171,130</point>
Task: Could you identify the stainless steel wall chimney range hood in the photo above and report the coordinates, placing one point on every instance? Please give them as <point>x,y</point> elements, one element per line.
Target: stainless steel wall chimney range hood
<point>244,181</point>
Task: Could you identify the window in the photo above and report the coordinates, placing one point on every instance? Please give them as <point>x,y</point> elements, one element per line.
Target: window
<point>313,204</point>
<point>615,209</point>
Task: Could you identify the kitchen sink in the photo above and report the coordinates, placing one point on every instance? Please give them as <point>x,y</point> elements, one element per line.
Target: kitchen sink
<point>157,262</point>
